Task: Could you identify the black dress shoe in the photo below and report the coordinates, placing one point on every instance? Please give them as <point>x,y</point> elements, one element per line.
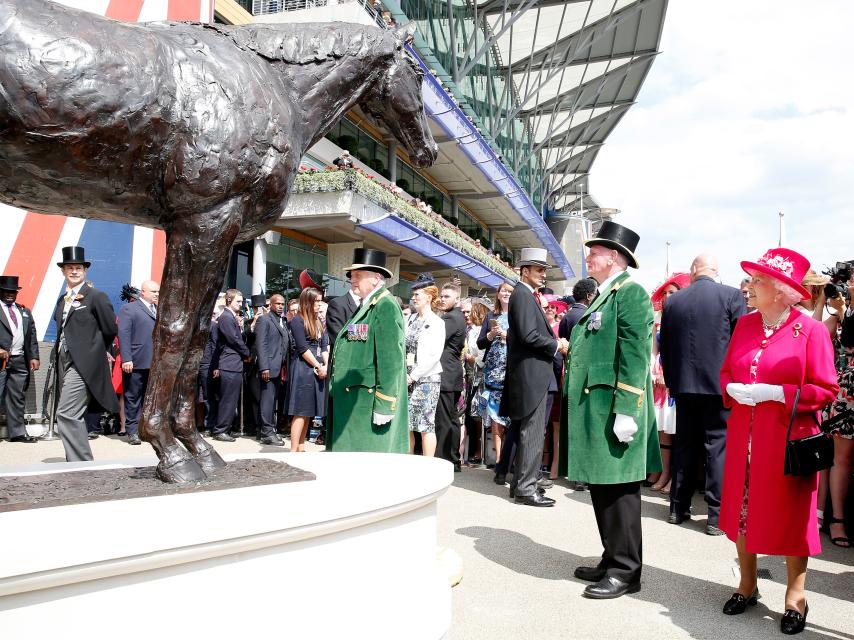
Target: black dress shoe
<point>539,491</point>
<point>678,518</point>
<point>273,440</point>
<point>713,530</point>
<point>610,587</point>
<point>581,486</point>
<point>134,439</point>
<point>93,435</point>
<point>536,500</point>
<point>738,603</point>
<point>545,483</point>
<point>590,574</point>
<point>24,438</point>
<point>500,478</point>
<point>224,437</point>
<point>793,622</point>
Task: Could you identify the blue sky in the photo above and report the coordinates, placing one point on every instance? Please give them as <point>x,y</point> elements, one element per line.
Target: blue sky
<point>746,112</point>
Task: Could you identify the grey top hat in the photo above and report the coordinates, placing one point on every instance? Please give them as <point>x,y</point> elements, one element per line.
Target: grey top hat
<point>534,256</point>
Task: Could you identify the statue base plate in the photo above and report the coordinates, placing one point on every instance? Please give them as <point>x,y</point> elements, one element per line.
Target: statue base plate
<point>351,554</point>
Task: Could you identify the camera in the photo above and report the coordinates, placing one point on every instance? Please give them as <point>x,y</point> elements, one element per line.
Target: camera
<point>839,275</point>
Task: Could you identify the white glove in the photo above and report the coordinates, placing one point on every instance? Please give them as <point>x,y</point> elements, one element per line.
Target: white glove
<point>740,393</point>
<point>381,418</point>
<point>767,393</point>
<point>624,428</point>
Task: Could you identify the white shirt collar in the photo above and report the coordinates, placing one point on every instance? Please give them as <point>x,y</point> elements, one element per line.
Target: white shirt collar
<point>75,290</point>
<point>608,281</point>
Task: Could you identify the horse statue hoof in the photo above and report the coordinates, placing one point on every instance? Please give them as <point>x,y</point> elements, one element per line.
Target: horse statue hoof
<point>209,459</point>
<point>182,472</point>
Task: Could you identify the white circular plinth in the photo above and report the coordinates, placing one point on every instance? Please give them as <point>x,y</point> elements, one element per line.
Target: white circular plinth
<point>351,554</point>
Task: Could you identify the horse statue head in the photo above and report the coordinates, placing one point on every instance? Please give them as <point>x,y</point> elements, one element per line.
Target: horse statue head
<point>396,101</point>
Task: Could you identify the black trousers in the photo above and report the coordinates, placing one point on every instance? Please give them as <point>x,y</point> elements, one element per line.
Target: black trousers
<point>472,426</point>
<point>618,515</point>
<point>448,427</point>
<point>269,393</point>
<point>13,384</point>
<point>700,431</point>
<point>251,401</point>
<point>134,385</point>
<point>229,396</point>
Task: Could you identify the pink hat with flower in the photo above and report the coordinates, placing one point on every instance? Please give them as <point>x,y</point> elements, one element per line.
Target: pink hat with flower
<point>785,265</point>
<point>681,280</point>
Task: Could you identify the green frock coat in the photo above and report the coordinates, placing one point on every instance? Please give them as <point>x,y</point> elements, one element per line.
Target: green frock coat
<point>369,376</point>
<point>608,372</point>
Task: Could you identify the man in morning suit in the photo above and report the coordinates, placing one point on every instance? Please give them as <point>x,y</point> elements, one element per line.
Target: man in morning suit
<point>86,328</point>
<point>696,325</point>
<point>452,378</point>
<point>610,417</point>
<point>19,354</point>
<point>531,347</point>
<point>136,342</point>
<point>227,361</point>
<point>272,344</point>
<point>368,407</point>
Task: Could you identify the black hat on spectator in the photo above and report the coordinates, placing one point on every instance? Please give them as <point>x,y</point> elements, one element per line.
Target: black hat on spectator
<point>369,260</point>
<point>9,283</point>
<point>423,280</point>
<point>129,292</point>
<point>258,300</point>
<point>616,236</point>
<point>73,255</point>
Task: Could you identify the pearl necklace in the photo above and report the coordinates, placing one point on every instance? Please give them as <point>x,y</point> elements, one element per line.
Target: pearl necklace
<point>770,328</point>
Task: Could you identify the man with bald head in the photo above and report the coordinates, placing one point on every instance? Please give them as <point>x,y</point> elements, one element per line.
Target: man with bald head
<point>696,325</point>
<point>136,328</point>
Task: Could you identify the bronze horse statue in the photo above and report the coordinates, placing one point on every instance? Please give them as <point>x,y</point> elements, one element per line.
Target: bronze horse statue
<point>192,128</point>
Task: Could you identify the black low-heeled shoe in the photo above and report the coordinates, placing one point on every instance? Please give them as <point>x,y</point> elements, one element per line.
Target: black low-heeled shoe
<point>793,622</point>
<point>738,603</point>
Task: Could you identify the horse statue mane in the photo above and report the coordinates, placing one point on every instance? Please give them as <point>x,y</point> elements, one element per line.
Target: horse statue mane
<point>195,129</point>
<point>308,43</point>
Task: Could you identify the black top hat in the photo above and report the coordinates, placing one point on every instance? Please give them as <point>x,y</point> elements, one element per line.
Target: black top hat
<point>616,236</point>
<point>369,260</point>
<point>258,300</point>
<point>9,283</point>
<point>74,255</point>
<point>423,280</point>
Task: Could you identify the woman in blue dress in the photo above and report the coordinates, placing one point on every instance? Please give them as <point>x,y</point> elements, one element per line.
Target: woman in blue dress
<point>493,340</point>
<point>308,367</point>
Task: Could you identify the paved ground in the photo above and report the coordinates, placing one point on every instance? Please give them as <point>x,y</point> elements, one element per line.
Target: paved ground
<point>518,566</point>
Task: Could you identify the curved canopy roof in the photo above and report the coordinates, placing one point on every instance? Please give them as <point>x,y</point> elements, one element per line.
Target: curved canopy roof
<point>575,66</point>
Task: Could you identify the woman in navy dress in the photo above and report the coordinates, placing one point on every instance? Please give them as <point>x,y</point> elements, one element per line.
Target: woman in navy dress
<point>308,369</point>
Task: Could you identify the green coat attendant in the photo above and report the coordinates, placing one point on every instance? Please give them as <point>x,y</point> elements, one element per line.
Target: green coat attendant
<point>608,372</point>
<point>368,377</point>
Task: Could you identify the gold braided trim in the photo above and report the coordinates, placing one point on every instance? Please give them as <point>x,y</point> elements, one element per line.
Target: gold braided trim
<point>629,388</point>
<point>380,297</point>
<point>383,396</point>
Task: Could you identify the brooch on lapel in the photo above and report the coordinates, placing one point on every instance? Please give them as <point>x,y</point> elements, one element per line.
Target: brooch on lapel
<point>595,322</point>
<point>357,332</point>
<point>796,329</point>
<point>75,303</point>
<point>79,296</point>
<point>24,314</point>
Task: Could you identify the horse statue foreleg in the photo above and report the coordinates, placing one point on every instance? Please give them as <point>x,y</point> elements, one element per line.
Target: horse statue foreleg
<point>197,251</point>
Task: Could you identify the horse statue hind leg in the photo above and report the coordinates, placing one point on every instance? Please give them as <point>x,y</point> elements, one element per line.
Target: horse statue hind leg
<point>197,252</point>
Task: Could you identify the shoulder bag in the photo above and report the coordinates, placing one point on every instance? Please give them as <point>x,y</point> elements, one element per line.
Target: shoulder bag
<point>809,455</point>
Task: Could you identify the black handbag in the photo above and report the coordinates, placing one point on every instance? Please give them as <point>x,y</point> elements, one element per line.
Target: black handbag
<point>807,455</point>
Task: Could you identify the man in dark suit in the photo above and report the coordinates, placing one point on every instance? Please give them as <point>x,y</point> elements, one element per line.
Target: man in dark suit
<point>452,378</point>
<point>227,361</point>
<point>531,347</point>
<point>251,381</point>
<point>136,342</point>
<point>86,329</point>
<point>272,343</point>
<point>340,310</point>
<point>696,326</point>
<point>583,293</point>
<point>19,354</point>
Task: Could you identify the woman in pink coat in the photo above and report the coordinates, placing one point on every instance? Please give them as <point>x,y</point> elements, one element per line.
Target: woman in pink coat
<point>772,353</point>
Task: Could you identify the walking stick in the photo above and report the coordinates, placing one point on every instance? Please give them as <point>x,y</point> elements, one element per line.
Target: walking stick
<point>53,386</point>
